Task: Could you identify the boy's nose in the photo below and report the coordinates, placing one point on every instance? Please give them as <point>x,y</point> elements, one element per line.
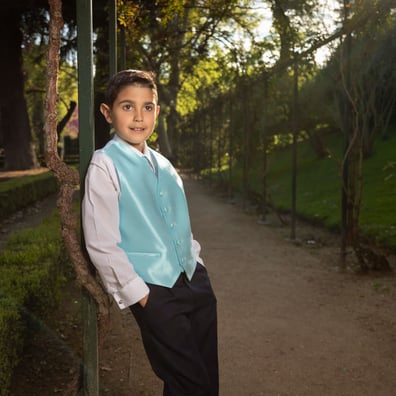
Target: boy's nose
<point>138,116</point>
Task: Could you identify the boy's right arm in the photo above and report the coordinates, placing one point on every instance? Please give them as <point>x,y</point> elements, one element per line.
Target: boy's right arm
<point>100,220</point>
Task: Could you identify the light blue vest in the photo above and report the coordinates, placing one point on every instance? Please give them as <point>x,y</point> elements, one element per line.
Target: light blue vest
<point>154,221</point>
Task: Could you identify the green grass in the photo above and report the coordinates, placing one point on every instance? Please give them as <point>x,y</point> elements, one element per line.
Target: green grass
<point>33,265</point>
<point>319,186</point>
<point>378,215</point>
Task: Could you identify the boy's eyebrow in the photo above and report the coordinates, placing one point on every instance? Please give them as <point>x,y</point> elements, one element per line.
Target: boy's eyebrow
<point>132,101</point>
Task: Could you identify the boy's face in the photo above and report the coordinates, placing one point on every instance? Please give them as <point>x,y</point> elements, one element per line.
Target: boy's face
<point>133,114</point>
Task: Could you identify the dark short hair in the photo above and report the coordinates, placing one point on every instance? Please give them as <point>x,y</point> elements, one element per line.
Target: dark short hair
<point>127,77</point>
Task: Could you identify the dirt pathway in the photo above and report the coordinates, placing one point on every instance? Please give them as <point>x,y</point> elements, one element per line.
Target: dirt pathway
<point>289,323</point>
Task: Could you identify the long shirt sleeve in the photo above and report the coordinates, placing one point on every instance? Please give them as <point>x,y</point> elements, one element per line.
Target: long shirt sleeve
<point>100,220</point>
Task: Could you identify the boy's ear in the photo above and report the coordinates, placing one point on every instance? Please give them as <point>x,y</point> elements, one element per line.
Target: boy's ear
<point>106,111</point>
<point>158,110</point>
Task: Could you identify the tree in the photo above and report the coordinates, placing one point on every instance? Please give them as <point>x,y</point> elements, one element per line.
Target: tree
<point>24,26</point>
<point>369,102</point>
<point>357,91</point>
<point>69,180</point>
<point>170,37</point>
<point>15,133</point>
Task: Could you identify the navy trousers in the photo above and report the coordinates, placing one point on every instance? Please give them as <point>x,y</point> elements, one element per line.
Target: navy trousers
<point>179,333</point>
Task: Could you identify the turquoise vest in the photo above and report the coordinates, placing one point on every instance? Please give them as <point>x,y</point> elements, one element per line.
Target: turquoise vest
<point>154,221</point>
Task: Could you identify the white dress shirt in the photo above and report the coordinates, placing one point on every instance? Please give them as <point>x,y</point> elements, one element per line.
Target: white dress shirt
<point>100,219</point>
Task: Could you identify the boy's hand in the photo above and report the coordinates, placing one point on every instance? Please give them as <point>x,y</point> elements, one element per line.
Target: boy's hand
<point>143,301</point>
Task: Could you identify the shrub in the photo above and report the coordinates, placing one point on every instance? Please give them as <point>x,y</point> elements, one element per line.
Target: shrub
<point>17,193</point>
<point>31,278</point>
<point>11,341</point>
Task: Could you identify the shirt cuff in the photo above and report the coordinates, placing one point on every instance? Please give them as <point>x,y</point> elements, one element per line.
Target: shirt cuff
<point>131,293</point>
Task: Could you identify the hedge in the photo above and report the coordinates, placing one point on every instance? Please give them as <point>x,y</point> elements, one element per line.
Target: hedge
<point>31,278</point>
<point>20,192</point>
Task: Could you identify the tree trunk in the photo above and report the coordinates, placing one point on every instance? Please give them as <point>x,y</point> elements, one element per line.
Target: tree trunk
<point>163,138</point>
<point>172,119</point>
<point>14,129</point>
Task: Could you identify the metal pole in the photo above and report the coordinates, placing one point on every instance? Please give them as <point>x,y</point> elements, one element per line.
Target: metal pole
<point>122,48</point>
<point>345,227</point>
<point>87,145</point>
<point>265,159</point>
<point>294,149</point>
<point>231,148</point>
<point>113,37</point>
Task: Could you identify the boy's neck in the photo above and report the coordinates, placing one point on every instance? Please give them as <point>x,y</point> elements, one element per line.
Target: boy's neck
<point>142,149</point>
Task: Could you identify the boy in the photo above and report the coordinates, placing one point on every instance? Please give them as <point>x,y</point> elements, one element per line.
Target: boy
<point>138,235</point>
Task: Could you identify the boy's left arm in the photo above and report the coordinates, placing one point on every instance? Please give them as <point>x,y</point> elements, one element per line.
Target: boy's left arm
<point>100,224</point>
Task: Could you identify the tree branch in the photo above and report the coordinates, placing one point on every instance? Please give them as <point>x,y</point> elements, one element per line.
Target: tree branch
<point>68,178</point>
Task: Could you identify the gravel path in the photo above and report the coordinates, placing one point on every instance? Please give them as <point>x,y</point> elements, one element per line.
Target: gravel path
<point>289,323</point>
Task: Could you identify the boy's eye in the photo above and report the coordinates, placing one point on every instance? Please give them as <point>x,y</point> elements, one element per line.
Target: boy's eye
<point>149,107</point>
<point>127,107</point>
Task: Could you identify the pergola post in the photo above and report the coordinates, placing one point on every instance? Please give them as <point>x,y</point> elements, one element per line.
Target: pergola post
<point>87,146</point>
<point>113,37</point>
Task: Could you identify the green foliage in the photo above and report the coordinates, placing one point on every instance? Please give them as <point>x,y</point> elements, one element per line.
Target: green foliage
<point>378,211</point>
<point>34,64</point>
<point>31,276</point>
<point>318,182</point>
<point>18,193</point>
<point>319,186</point>
<point>203,83</point>
<point>11,341</point>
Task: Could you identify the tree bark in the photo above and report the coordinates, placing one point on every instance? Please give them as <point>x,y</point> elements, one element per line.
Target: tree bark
<point>15,133</point>
<point>69,181</point>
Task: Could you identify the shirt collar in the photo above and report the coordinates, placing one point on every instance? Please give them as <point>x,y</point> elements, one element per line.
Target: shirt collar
<point>145,153</point>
